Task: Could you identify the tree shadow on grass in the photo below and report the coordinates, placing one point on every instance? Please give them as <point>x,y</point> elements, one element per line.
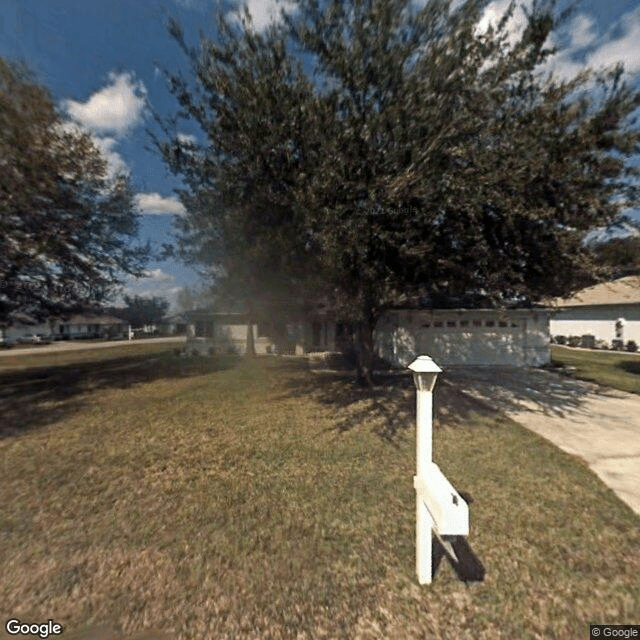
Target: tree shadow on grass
<point>388,407</point>
<point>630,366</point>
<point>38,396</point>
<point>462,395</point>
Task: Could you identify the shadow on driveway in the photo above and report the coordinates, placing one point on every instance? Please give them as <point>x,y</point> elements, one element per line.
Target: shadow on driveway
<point>460,394</point>
<point>516,389</point>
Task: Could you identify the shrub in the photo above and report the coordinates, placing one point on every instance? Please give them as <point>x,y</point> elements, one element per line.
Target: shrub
<point>561,339</point>
<point>574,341</point>
<point>588,341</point>
<point>632,346</point>
<point>617,345</point>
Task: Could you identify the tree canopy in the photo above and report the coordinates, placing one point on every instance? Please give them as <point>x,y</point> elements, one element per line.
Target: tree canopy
<point>367,154</point>
<point>66,226</point>
<point>143,311</point>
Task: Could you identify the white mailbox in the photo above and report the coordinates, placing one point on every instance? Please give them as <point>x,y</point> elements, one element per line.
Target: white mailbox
<point>439,507</point>
<point>450,513</point>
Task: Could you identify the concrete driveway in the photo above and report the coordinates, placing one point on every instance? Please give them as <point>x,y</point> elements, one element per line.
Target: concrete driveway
<point>599,424</point>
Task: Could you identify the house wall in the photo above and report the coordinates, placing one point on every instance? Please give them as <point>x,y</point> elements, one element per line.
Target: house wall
<point>599,321</point>
<point>464,337</point>
<point>223,335</point>
<point>14,332</point>
<point>233,338</point>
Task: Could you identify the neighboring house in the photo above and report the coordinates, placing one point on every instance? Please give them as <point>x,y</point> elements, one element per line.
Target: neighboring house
<point>23,325</point>
<point>91,326</point>
<point>608,311</point>
<point>175,325</point>
<point>87,325</point>
<point>517,337</point>
<point>226,332</point>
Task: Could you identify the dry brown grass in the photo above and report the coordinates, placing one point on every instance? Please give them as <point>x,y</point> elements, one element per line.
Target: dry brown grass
<point>221,499</point>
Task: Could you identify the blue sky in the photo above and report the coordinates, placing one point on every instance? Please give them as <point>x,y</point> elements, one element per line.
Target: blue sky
<point>101,59</point>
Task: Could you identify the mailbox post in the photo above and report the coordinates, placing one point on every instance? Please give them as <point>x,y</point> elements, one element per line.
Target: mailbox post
<point>439,506</point>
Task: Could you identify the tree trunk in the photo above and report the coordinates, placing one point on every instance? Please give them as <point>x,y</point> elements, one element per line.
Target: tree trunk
<point>364,351</point>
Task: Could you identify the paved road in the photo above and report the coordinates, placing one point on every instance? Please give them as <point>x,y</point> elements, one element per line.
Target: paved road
<point>78,345</point>
<point>599,424</point>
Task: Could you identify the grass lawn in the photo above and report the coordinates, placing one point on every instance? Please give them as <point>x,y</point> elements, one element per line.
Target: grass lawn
<point>610,368</point>
<point>218,498</point>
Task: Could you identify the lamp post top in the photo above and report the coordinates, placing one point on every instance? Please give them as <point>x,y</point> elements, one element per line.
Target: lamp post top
<point>424,364</point>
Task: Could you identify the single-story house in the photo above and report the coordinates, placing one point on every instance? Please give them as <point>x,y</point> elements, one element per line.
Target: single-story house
<point>226,332</point>
<point>87,325</point>
<point>90,325</point>
<point>608,311</point>
<point>175,325</point>
<point>503,337</point>
<point>517,337</point>
<point>22,325</point>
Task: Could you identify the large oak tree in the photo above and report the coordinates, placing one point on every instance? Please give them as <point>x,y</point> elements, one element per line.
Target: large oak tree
<point>67,228</point>
<point>367,154</point>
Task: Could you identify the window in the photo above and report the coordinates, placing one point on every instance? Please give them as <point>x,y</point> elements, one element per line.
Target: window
<point>477,323</point>
<point>502,323</point>
<point>264,329</point>
<point>464,323</point>
<point>426,325</point>
<point>451,323</point>
<point>438,323</point>
<point>490,323</point>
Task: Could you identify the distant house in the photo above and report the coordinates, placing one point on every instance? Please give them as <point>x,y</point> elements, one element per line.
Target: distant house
<point>175,325</point>
<point>22,325</point>
<point>90,326</point>
<point>516,337</point>
<point>608,311</point>
<point>87,325</point>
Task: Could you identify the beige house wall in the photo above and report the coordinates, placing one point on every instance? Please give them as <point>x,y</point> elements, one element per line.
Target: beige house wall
<point>465,337</point>
<point>599,321</point>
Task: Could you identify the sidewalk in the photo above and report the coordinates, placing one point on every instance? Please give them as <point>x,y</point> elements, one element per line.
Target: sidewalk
<point>79,345</point>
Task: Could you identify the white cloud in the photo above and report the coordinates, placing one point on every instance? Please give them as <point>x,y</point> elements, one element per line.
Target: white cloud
<point>154,203</point>
<point>115,162</point>
<point>494,12</point>
<point>625,48</point>
<point>602,51</point>
<point>155,282</point>
<point>185,138</point>
<point>582,32</point>
<point>113,109</point>
<point>263,12</point>
<point>155,276</point>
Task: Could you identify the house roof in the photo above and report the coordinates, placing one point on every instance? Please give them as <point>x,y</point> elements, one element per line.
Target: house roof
<point>93,319</point>
<point>621,291</point>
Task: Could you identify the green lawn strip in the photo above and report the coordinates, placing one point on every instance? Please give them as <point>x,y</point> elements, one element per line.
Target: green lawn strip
<point>225,503</point>
<point>611,369</point>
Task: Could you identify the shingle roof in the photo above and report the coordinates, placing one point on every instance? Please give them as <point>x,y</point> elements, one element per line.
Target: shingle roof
<point>622,291</point>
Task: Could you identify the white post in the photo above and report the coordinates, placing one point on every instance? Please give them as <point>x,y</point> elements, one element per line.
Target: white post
<point>425,373</point>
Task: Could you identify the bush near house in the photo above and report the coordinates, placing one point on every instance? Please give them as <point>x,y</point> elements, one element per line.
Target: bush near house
<point>632,346</point>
